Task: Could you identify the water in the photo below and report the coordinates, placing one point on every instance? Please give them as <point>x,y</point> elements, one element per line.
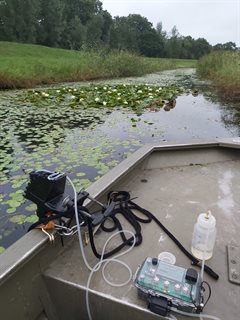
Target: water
<point>87,143</point>
<point>200,254</point>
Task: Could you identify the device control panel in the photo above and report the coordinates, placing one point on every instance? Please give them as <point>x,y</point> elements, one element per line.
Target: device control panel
<point>180,286</point>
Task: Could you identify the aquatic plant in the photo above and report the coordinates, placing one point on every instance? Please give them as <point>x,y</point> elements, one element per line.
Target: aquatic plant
<point>136,97</point>
<point>223,68</point>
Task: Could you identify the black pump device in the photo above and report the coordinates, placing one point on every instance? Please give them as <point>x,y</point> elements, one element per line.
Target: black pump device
<point>47,190</point>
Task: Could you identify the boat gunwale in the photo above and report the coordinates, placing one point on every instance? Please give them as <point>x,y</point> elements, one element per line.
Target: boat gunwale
<point>33,242</point>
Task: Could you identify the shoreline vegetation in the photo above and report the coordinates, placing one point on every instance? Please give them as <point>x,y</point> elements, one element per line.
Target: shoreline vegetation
<point>223,69</point>
<point>27,65</point>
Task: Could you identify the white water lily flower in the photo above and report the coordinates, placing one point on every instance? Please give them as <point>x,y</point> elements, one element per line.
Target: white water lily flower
<point>97,99</point>
<point>81,99</point>
<point>36,93</point>
<point>57,91</point>
<point>69,90</point>
<point>104,103</point>
<point>151,97</point>
<point>149,89</point>
<point>119,93</point>
<point>160,88</point>
<point>139,91</point>
<point>118,98</point>
<point>104,88</point>
<point>114,90</point>
<point>72,97</point>
<point>157,90</point>
<point>109,92</point>
<point>75,90</point>
<point>125,102</point>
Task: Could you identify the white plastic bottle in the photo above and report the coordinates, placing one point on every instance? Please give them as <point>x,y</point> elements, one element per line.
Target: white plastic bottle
<point>204,236</point>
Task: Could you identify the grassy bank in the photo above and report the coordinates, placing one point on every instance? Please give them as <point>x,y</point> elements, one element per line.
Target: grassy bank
<point>25,65</point>
<point>223,68</point>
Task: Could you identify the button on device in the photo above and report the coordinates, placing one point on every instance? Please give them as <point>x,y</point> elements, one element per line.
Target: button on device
<point>185,290</point>
<point>154,261</point>
<point>177,287</point>
<point>149,260</point>
<point>166,284</point>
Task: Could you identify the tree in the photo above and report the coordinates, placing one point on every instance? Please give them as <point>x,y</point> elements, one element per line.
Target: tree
<point>174,32</point>
<point>160,30</point>
<point>162,34</point>
<point>51,23</point>
<point>201,48</point>
<point>187,48</point>
<point>121,35</point>
<point>136,33</point>
<point>18,20</point>
<point>173,44</point>
<point>74,34</point>
<point>83,9</point>
<point>106,27</point>
<point>94,31</point>
<point>151,45</point>
<point>230,46</point>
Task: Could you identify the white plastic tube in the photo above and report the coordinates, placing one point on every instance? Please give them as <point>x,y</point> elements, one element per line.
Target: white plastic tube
<point>200,315</point>
<point>78,226</point>
<point>205,249</point>
<point>107,261</point>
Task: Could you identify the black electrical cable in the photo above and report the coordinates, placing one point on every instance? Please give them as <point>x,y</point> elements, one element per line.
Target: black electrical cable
<point>209,290</point>
<point>124,205</point>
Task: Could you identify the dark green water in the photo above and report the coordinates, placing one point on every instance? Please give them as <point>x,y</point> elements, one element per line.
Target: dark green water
<point>87,142</point>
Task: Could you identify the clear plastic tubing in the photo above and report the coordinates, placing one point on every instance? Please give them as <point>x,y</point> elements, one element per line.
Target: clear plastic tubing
<point>107,261</point>
<point>200,315</point>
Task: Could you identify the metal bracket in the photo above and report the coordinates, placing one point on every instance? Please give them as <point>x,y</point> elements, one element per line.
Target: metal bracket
<point>233,263</point>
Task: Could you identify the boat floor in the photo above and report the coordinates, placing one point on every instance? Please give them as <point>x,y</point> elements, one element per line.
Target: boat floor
<point>176,189</point>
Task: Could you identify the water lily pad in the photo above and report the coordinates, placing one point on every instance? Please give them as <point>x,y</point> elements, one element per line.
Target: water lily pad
<point>32,207</point>
<point>80,174</point>
<point>11,210</point>
<point>31,219</point>
<point>2,249</point>
<point>18,219</point>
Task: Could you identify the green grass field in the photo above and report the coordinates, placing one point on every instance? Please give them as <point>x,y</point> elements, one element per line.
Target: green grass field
<point>223,68</point>
<point>25,65</point>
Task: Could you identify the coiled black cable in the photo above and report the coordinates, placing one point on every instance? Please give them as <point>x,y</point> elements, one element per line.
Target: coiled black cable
<point>125,206</point>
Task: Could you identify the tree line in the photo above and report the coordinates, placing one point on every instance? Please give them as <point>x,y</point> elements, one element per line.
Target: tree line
<point>83,24</point>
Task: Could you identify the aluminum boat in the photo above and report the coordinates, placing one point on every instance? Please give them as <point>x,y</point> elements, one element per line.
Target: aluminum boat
<point>174,181</point>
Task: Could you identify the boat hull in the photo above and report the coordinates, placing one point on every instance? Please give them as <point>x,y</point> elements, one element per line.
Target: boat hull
<point>175,182</point>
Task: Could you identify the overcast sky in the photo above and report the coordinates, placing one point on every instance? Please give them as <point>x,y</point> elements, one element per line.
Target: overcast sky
<point>218,21</point>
